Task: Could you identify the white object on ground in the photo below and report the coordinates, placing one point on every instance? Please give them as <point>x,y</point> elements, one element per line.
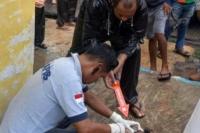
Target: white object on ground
<point>193,124</point>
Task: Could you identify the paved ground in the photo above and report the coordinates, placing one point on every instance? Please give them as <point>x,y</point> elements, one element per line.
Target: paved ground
<point>167,105</point>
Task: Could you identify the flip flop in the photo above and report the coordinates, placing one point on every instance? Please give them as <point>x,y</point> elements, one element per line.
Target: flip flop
<point>135,111</point>
<point>182,52</point>
<point>164,77</point>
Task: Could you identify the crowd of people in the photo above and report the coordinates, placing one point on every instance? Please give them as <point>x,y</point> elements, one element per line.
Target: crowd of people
<point>50,101</point>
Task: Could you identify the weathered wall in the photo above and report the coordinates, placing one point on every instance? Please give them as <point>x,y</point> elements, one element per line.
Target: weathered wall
<point>16,47</point>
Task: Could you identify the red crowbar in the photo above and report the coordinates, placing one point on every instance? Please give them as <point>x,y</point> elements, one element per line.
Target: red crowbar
<point>123,107</point>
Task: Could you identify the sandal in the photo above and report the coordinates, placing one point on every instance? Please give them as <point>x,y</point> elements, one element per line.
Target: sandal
<point>136,111</point>
<point>164,77</point>
<point>182,52</point>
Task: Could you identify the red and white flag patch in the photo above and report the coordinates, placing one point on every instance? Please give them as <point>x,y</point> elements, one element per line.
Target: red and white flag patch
<point>79,98</point>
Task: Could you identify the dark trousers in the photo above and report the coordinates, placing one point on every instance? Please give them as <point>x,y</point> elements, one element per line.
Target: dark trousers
<point>39,25</point>
<point>57,130</point>
<point>63,127</point>
<point>65,11</point>
<point>62,7</point>
<point>129,77</point>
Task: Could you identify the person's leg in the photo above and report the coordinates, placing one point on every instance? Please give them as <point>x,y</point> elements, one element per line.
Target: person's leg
<point>129,81</point>
<point>43,25</point>
<point>39,27</point>
<point>153,53</point>
<point>60,13</point>
<point>129,77</point>
<point>168,29</point>
<point>152,41</point>
<point>159,27</point>
<point>163,51</point>
<point>181,32</point>
<point>71,11</point>
<point>187,13</point>
<point>172,20</point>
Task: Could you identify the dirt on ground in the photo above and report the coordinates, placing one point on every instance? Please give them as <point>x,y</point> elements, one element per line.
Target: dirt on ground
<point>167,105</point>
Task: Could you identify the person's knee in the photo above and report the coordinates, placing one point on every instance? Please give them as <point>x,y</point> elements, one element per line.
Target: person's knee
<point>159,36</point>
<point>185,22</point>
<point>152,41</point>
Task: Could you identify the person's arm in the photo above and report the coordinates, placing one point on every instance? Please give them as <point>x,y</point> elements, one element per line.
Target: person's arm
<point>96,104</point>
<point>87,126</point>
<point>70,97</point>
<point>167,7</point>
<point>118,70</point>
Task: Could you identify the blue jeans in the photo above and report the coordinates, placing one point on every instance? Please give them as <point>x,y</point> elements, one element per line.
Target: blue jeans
<point>179,18</point>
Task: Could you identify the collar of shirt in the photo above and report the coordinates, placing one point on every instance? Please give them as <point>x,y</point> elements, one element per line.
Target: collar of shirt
<point>77,63</point>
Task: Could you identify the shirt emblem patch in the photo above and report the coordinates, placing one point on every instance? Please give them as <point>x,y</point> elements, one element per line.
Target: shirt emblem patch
<point>79,98</point>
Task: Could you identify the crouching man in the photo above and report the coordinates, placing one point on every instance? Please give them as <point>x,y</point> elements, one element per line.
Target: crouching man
<point>58,90</point>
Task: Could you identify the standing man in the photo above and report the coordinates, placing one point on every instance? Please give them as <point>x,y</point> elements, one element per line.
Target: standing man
<point>158,11</point>
<point>58,90</point>
<point>39,24</point>
<point>123,23</point>
<point>182,11</point>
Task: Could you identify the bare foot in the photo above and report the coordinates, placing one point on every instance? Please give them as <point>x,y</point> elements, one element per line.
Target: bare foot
<point>195,77</point>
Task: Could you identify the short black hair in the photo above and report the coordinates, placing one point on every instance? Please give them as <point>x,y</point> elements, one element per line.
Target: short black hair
<point>128,3</point>
<point>101,51</point>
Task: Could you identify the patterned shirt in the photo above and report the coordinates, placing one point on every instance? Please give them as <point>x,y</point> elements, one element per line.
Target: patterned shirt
<point>185,1</point>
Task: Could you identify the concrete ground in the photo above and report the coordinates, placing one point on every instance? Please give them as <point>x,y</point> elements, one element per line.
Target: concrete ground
<point>167,105</point>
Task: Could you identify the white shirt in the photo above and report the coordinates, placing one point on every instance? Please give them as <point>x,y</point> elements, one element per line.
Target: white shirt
<point>53,92</point>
